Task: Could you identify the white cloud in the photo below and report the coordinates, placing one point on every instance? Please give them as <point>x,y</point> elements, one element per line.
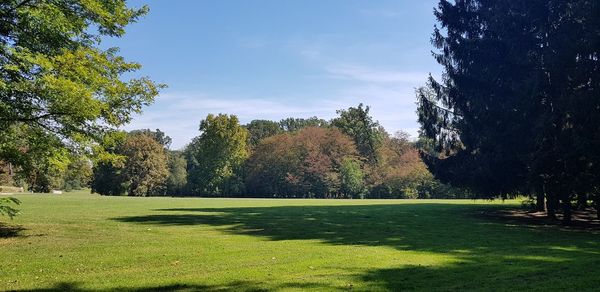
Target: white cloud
<point>366,74</point>
<point>388,90</point>
<point>179,113</point>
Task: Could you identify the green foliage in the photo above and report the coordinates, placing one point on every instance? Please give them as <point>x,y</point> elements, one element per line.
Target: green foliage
<point>6,209</point>
<point>261,129</point>
<point>34,157</point>
<point>145,171</point>
<point>108,179</point>
<point>216,156</point>
<point>177,180</point>
<point>516,110</point>
<point>352,178</point>
<point>296,124</point>
<point>49,170</point>
<point>136,164</point>
<point>366,133</point>
<point>78,174</point>
<point>158,135</point>
<point>108,176</point>
<point>6,173</point>
<point>58,88</point>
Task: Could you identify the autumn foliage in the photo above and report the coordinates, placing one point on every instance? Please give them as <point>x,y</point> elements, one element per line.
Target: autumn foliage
<point>301,164</point>
<point>293,158</point>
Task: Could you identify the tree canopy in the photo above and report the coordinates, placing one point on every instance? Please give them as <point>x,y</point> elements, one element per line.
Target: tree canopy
<point>516,110</point>
<point>141,167</point>
<point>304,163</point>
<point>261,129</point>
<point>216,156</point>
<point>146,168</point>
<point>358,124</point>
<point>58,87</point>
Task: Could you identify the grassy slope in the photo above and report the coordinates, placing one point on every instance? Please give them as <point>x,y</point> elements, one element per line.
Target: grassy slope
<point>84,242</point>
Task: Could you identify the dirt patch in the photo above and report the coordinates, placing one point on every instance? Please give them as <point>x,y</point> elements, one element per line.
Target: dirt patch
<point>581,219</point>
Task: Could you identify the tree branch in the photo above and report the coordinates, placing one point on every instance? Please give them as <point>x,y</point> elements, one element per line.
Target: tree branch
<point>440,107</point>
<point>33,118</point>
<point>21,4</point>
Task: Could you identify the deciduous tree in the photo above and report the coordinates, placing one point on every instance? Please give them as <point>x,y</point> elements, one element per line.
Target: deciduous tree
<point>296,124</point>
<point>352,177</point>
<point>261,129</point>
<point>177,180</point>
<point>360,126</point>
<point>56,80</point>
<point>216,156</point>
<point>306,163</point>
<point>146,167</point>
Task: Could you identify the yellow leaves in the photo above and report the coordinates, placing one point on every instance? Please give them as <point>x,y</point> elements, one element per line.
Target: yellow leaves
<point>59,160</point>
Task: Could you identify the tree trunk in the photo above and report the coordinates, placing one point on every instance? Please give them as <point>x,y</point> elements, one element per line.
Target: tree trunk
<point>540,204</point>
<point>567,216</point>
<point>582,202</point>
<point>597,201</point>
<point>551,207</point>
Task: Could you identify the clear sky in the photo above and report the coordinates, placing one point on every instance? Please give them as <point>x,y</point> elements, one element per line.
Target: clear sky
<point>272,59</point>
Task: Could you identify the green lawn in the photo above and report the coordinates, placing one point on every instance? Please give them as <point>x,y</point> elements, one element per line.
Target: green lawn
<point>86,242</point>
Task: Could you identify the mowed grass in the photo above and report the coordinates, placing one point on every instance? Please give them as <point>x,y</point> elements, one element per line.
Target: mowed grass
<point>83,242</point>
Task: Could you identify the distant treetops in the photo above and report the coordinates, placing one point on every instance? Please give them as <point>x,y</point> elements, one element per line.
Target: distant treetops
<point>350,156</point>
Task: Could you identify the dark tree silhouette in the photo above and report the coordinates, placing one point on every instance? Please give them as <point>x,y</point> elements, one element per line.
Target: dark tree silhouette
<point>517,109</point>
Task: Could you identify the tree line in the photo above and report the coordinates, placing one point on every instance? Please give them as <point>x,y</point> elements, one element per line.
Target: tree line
<point>350,156</point>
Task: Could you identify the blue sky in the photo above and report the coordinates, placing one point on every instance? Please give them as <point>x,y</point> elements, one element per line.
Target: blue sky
<point>266,59</point>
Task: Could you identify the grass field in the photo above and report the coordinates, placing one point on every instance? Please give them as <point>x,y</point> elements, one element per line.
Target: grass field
<point>83,242</point>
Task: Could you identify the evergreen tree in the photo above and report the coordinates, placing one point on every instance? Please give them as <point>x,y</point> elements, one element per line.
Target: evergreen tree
<point>517,108</point>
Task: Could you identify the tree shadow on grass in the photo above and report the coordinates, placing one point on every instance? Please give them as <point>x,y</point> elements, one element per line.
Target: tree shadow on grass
<point>235,286</point>
<point>8,231</point>
<point>484,253</point>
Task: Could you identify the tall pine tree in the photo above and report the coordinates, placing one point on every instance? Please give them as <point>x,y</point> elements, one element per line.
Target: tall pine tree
<point>513,112</point>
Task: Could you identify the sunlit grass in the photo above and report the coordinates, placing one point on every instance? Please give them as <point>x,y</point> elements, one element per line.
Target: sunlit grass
<point>79,241</point>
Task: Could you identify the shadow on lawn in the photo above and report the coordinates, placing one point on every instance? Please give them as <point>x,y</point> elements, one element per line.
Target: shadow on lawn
<point>7,231</point>
<point>235,286</point>
<point>487,253</point>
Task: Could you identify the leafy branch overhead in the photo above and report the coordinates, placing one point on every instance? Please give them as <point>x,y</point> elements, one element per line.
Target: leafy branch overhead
<point>6,209</point>
<point>56,83</point>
